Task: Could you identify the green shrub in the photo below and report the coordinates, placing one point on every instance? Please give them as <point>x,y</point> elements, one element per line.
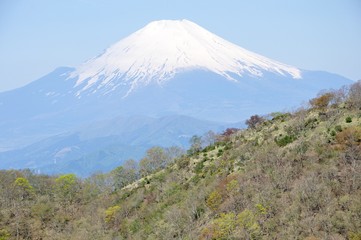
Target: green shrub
<point>228,146</point>
<point>338,128</point>
<point>198,168</point>
<point>198,212</point>
<point>135,226</point>
<point>146,180</point>
<point>283,141</point>
<point>348,119</point>
<point>311,122</point>
<point>195,179</point>
<point>333,133</point>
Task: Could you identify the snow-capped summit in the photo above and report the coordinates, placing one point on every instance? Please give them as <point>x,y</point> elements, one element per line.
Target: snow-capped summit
<point>163,48</point>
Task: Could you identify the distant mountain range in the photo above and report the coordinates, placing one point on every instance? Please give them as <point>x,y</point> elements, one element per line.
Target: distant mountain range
<point>167,81</point>
<point>104,145</point>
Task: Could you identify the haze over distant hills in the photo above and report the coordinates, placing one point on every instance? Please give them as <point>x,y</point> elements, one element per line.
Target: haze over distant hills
<point>177,77</point>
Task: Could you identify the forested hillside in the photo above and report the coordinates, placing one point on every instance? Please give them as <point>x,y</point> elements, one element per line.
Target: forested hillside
<point>293,175</point>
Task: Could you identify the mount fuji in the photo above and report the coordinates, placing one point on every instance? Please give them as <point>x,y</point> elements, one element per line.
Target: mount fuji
<point>168,68</point>
<point>163,49</point>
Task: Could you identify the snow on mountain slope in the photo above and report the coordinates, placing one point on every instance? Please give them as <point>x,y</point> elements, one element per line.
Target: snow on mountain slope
<point>161,49</point>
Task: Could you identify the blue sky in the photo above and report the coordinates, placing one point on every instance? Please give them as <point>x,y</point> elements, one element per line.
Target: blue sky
<point>36,36</point>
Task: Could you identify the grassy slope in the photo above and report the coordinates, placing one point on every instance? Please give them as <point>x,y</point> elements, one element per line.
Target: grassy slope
<point>248,186</point>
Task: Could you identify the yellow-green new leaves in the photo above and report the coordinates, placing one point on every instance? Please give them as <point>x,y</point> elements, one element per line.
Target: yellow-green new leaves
<point>214,200</point>
<point>221,228</point>
<point>261,209</point>
<point>113,217</point>
<point>232,187</point>
<point>110,213</point>
<point>66,186</point>
<point>248,221</point>
<point>24,188</point>
<point>230,225</point>
<point>225,224</point>
<point>4,235</point>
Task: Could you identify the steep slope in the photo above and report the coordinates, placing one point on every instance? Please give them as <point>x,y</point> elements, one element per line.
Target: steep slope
<point>291,176</point>
<point>294,176</point>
